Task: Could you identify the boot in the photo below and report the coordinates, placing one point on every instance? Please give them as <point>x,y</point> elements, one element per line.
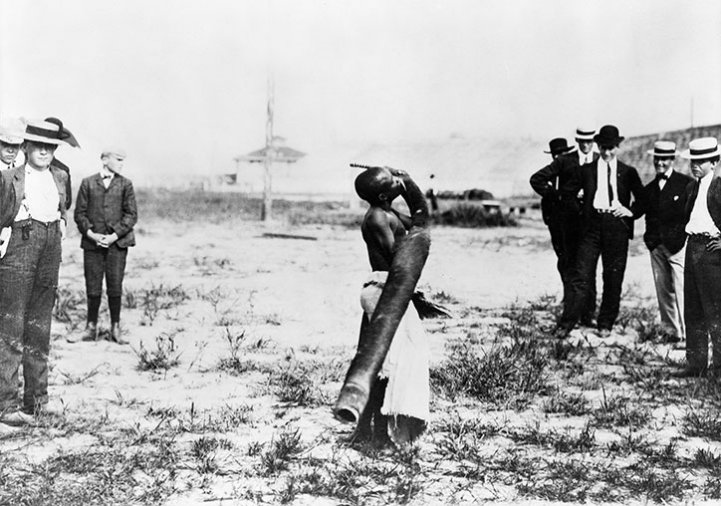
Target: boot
<point>89,334</point>
<point>116,333</point>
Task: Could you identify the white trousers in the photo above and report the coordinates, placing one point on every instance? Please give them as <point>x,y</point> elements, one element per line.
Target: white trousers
<point>668,277</point>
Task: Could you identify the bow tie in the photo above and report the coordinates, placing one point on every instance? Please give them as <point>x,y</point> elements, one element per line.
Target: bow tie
<point>662,177</point>
<point>107,176</point>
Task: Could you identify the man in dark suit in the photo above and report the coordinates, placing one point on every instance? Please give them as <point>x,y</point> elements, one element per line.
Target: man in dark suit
<point>665,236</point>
<point>611,189</point>
<point>32,204</point>
<point>702,274</point>
<point>559,186</point>
<point>105,213</point>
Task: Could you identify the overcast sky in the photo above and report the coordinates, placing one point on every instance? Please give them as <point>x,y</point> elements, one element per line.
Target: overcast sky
<point>182,84</point>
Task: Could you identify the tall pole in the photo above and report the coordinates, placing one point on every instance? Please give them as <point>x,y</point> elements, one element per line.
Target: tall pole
<point>268,161</point>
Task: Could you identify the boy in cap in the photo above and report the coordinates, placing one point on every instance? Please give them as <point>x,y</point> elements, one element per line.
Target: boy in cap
<point>665,236</point>
<point>558,184</point>
<point>702,274</point>
<point>32,202</point>
<point>9,148</point>
<point>105,213</point>
<point>610,187</point>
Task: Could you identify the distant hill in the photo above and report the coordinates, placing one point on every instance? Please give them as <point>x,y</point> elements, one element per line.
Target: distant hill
<point>633,150</point>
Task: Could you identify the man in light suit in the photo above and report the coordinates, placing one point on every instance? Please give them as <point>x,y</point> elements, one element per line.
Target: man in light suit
<point>702,274</point>
<point>665,236</point>
<point>611,190</point>
<point>105,213</point>
<point>32,203</point>
<point>559,186</point>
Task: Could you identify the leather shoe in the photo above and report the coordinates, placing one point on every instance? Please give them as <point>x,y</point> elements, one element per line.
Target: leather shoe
<point>89,334</point>
<point>17,418</point>
<point>116,333</point>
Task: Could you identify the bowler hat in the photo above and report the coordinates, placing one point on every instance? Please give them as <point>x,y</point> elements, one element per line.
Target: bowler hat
<point>559,146</point>
<point>607,136</point>
<point>700,149</point>
<point>43,131</point>
<point>663,149</point>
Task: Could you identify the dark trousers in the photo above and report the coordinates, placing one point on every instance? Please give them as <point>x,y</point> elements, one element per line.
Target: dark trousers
<point>108,263</point>
<point>565,228</point>
<point>702,303</point>
<point>28,286</point>
<point>606,236</point>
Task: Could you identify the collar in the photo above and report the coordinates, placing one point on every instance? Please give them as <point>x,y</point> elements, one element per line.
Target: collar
<point>105,173</point>
<point>613,163</point>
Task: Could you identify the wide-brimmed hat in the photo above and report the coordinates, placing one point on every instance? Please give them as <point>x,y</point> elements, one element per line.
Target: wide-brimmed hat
<point>559,146</point>
<point>698,149</point>
<point>65,134</point>
<point>10,132</point>
<point>663,149</point>
<point>43,131</point>
<point>584,133</point>
<point>608,135</point>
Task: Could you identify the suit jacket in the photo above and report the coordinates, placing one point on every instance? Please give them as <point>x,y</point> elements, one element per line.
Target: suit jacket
<point>68,186</point>
<point>105,211</point>
<point>628,185</point>
<point>12,191</point>
<point>558,184</point>
<point>666,213</point>
<point>713,200</point>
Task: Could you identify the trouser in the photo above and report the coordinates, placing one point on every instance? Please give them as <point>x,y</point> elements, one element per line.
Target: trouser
<point>108,263</point>
<point>28,286</point>
<point>606,236</point>
<point>702,303</point>
<point>565,229</point>
<point>668,275</point>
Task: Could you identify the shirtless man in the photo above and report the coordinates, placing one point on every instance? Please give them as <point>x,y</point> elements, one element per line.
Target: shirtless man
<point>401,392</point>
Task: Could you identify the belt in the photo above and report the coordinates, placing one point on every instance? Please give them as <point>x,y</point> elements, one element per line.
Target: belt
<point>704,236</point>
<point>29,221</point>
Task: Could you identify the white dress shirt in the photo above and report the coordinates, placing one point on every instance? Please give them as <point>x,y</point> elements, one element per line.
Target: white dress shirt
<point>41,201</point>
<point>662,182</point>
<point>107,177</point>
<point>700,221</point>
<point>601,200</point>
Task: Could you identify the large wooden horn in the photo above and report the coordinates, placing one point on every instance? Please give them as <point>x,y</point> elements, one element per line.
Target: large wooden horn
<point>409,257</point>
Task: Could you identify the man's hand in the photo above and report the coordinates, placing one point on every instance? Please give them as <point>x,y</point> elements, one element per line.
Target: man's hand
<point>4,240</point>
<point>108,240</point>
<point>397,172</point>
<point>98,238</point>
<point>621,212</point>
<point>714,244</point>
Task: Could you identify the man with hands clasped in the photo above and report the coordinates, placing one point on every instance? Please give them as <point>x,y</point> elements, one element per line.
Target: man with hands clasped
<point>105,213</point>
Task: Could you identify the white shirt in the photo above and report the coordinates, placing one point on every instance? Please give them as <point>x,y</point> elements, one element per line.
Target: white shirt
<point>41,201</point>
<point>601,200</point>
<point>583,159</point>
<point>104,173</point>
<point>662,182</point>
<point>700,221</point>
<point>4,166</point>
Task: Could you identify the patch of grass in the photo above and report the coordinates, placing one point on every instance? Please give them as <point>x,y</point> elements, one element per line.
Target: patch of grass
<point>205,449</point>
<point>567,404</point>
<point>281,449</point>
<point>160,298</point>
<point>164,356</point>
<point>70,307</point>
<point>296,383</point>
<point>504,373</point>
<point>620,410</point>
<point>702,423</point>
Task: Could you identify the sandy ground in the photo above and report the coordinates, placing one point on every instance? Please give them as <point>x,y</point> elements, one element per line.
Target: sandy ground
<point>297,296</point>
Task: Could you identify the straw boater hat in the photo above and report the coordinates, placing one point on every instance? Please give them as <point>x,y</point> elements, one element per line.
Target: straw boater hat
<point>43,131</point>
<point>10,132</point>
<point>663,149</point>
<point>584,133</point>
<point>699,149</point>
<point>559,146</point>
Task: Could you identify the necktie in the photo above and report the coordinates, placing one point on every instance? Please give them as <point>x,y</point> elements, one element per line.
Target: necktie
<point>610,187</point>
